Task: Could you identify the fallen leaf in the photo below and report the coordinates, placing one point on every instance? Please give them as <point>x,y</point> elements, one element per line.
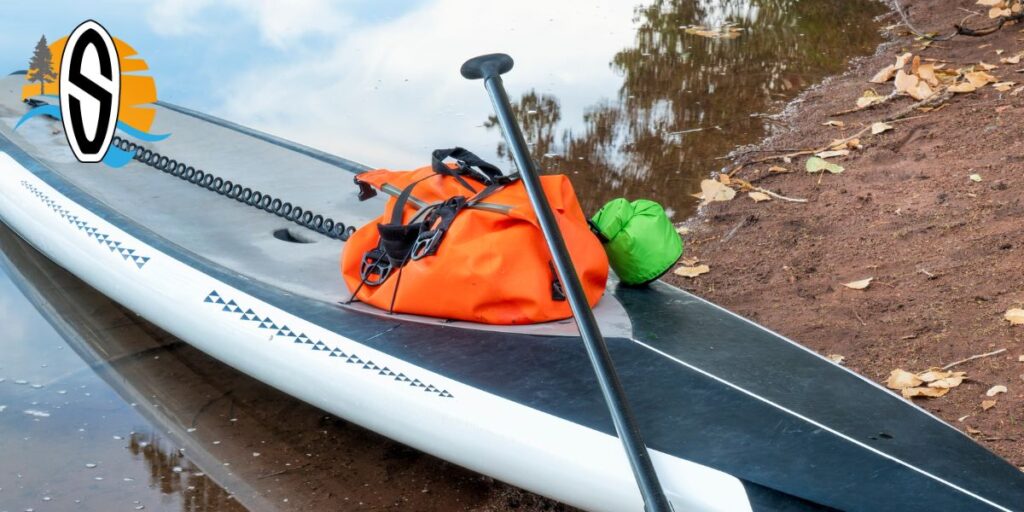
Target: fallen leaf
<point>777,169</point>
<point>902,379</point>
<point>948,382</point>
<point>884,75</point>
<point>926,392</point>
<point>759,196</point>
<point>683,230</point>
<point>995,390</point>
<point>859,285</point>
<point>975,178</point>
<point>1020,359</point>
<point>724,179</point>
<point>973,431</point>
<point>996,12</point>
<point>906,82</point>
<point>1003,86</point>
<point>922,92</point>
<point>692,272</point>
<point>880,127</point>
<point>963,87</point>
<point>926,72</point>
<point>832,154</point>
<point>689,262</point>
<point>979,78</point>
<point>833,122</point>
<point>869,97</point>
<point>987,404</point>
<point>836,358</point>
<point>723,32</point>
<point>902,60</point>
<point>712,191</point>
<point>990,3</point>
<point>1015,316</point>
<point>915,64</point>
<point>817,164</point>
<point>986,66</point>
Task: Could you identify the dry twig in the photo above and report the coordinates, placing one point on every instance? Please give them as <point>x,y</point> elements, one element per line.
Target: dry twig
<point>972,358</point>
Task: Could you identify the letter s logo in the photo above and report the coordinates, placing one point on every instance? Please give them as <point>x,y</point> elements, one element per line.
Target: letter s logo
<point>90,91</point>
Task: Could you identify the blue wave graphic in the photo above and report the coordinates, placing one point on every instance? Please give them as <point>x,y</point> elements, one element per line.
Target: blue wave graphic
<point>44,110</point>
<point>115,157</point>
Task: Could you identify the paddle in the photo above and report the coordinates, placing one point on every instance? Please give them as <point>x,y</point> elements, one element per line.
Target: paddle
<point>490,68</point>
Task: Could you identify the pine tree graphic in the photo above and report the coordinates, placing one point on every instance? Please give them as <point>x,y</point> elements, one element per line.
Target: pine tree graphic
<point>41,65</point>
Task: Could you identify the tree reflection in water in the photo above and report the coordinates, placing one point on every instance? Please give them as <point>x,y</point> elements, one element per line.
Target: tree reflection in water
<point>686,100</point>
<point>198,493</point>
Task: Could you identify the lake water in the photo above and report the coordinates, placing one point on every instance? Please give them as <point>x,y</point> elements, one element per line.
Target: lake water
<point>101,411</point>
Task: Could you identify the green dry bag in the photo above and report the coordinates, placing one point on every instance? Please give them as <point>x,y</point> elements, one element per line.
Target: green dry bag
<point>639,238</point>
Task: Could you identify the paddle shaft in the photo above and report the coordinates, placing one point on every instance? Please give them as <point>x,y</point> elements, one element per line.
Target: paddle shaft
<point>597,349</point>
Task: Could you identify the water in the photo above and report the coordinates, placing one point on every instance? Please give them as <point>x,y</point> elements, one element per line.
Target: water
<point>685,100</point>
<point>101,411</point>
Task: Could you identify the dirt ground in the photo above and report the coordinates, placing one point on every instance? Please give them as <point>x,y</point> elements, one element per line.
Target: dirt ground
<point>945,251</point>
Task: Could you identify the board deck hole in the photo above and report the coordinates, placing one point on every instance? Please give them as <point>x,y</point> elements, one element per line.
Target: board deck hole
<point>289,235</point>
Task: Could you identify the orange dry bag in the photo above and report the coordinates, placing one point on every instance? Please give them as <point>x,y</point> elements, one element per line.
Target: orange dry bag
<point>461,241</point>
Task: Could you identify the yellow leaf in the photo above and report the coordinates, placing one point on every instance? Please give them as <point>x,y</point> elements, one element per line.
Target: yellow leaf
<point>884,75</point>
<point>1003,86</point>
<point>975,178</point>
<point>946,380</point>
<point>987,404</point>
<point>963,87</point>
<point>1015,316</point>
<point>902,379</point>
<point>692,272</point>
<point>880,127</point>
<point>902,60</point>
<point>836,358</point>
<point>869,98</point>
<point>926,72</point>
<point>833,153</point>
<point>995,390</point>
<point>905,82</point>
<point>712,191</point>
<point>996,12</point>
<point>759,196</point>
<point>859,285</point>
<point>926,392</point>
<point>921,92</point>
<point>979,78</point>
<point>724,179</point>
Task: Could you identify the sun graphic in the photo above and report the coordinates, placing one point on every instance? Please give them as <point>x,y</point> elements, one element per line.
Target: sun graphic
<point>137,91</point>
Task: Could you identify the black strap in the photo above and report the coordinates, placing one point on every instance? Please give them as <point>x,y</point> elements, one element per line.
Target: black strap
<point>468,164</point>
<point>402,242</point>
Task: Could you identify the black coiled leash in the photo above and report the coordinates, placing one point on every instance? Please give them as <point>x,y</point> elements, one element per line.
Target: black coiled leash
<point>294,213</point>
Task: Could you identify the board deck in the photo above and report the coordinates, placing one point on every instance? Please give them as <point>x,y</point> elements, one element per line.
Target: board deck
<point>737,417</point>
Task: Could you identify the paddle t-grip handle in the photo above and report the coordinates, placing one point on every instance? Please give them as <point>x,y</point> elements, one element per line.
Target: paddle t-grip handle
<point>487,66</point>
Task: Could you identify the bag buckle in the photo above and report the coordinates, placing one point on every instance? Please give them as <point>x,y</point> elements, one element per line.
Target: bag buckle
<point>426,244</point>
<point>375,267</point>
